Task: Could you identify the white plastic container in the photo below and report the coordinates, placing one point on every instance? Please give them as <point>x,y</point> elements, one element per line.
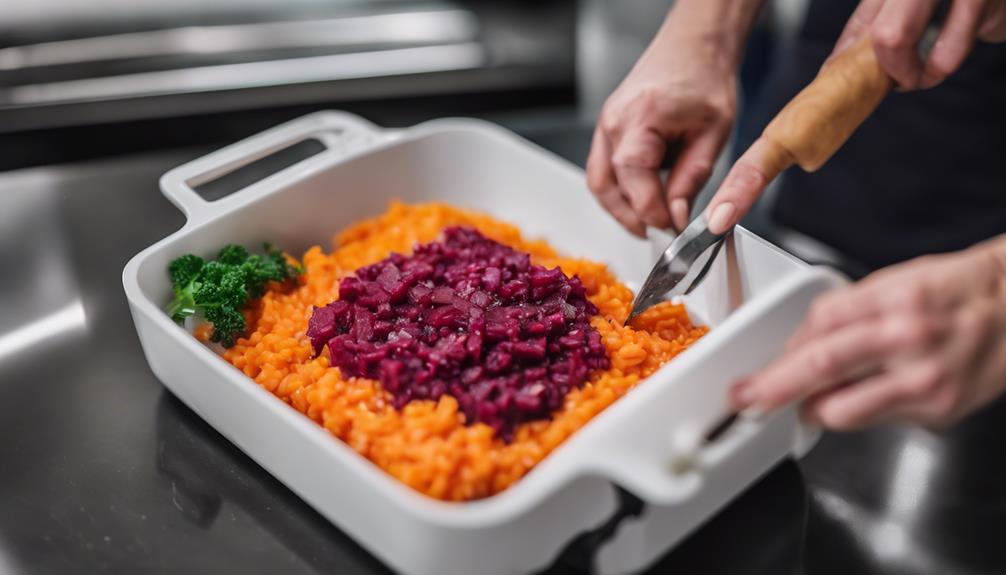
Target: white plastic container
<point>753,297</point>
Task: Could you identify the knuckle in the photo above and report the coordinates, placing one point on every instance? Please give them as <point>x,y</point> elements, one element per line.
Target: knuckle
<point>637,156</point>
<point>609,119</point>
<point>743,178</point>
<point>913,298</point>
<point>917,331</point>
<point>647,100</point>
<point>892,37</point>
<point>822,362</point>
<point>610,123</point>
<point>980,319</point>
<point>722,109</point>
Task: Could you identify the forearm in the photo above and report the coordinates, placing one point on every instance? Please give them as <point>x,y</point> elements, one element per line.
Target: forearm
<point>720,25</point>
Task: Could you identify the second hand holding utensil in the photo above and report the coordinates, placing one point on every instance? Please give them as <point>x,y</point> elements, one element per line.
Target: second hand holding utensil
<point>811,128</point>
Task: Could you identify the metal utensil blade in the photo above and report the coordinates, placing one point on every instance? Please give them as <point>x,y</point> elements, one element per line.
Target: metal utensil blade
<point>679,268</point>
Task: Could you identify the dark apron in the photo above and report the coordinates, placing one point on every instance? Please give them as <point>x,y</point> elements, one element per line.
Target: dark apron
<point>925,174</point>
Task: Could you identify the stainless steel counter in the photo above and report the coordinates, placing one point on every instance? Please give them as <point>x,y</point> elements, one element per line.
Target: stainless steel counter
<point>104,471</point>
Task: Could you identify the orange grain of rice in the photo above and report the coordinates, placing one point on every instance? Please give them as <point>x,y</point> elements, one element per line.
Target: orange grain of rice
<point>427,444</point>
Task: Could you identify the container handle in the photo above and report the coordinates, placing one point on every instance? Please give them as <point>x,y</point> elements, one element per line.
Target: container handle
<point>341,133</point>
<point>638,443</point>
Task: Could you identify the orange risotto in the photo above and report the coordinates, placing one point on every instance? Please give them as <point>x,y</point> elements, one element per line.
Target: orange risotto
<point>427,444</point>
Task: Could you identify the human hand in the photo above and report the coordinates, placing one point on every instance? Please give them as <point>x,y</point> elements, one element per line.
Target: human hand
<point>894,28</point>
<point>682,94</point>
<point>921,342</point>
<point>897,26</point>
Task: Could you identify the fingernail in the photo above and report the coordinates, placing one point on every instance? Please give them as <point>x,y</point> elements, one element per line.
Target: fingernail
<point>679,213</point>
<point>721,218</point>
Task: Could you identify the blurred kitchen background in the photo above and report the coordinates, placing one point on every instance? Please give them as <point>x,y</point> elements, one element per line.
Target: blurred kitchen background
<point>87,80</point>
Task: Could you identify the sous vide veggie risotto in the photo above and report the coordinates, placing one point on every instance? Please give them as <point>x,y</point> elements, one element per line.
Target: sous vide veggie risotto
<point>437,342</point>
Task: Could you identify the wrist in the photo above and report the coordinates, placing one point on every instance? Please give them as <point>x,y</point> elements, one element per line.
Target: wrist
<point>718,29</point>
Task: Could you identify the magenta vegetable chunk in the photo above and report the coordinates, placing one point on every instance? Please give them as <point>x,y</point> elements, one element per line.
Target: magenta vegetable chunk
<point>469,317</point>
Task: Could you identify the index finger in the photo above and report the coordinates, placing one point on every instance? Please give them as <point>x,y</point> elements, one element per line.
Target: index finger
<point>745,183</point>
<point>836,309</point>
<point>896,33</point>
<point>846,355</point>
<point>601,181</point>
<point>954,42</point>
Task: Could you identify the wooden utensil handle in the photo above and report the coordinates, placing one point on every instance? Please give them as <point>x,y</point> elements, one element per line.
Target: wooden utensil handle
<point>815,123</point>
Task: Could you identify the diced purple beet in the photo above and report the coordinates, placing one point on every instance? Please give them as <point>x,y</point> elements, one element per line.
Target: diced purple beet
<point>499,360</point>
<point>527,403</point>
<point>487,412</point>
<point>514,290</point>
<point>491,279</point>
<point>350,288</point>
<point>530,349</point>
<point>472,374</point>
<point>389,277</point>
<point>536,328</point>
<point>542,277</point>
<point>321,327</point>
<point>468,317</point>
<point>391,372</point>
<point>363,326</point>
<point>442,295</point>
<point>481,299</point>
<point>385,311</point>
<point>448,317</point>
<point>420,294</point>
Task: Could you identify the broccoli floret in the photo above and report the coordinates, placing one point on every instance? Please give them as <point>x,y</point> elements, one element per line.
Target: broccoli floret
<point>227,322</point>
<point>260,271</point>
<point>293,269</point>
<point>184,269</point>
<point>232,255</point>
<point>219,289</point>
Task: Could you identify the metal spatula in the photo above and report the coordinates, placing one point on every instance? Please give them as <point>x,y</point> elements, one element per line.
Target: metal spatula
<point>681,267</point>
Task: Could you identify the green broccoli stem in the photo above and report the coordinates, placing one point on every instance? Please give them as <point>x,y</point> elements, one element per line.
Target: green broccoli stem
<point>182,306</point>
